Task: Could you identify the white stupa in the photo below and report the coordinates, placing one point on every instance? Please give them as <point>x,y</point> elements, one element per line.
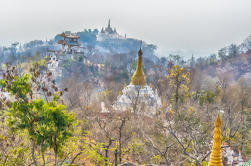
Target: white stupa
<point>108,33</point>
<point>53,65</point>
<point>138,94</point>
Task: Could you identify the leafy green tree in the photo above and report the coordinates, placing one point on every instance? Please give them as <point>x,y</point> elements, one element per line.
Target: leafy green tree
<point>47,122</point>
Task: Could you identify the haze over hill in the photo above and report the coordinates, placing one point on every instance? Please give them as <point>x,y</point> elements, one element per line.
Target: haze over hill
<point>184,27</point>
<point>107,46</point>
<point>118,83</point>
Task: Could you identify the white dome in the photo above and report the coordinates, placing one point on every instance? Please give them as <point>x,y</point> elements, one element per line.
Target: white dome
<point>137,95</point>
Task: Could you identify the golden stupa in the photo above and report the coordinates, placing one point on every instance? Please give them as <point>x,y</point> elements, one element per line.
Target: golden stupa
<point>125,84</point>
<point>151,85</point>
<point>138,77</point>
<point>215,157</point>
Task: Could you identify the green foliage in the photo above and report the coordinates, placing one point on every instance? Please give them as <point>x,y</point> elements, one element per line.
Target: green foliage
<point>203,163</point>
<point>55,125</point>
<point>18,86</point>
<point>92,151</point>
<point>156,159</point>
<point>207,97</point>
<point>11,153</point>
<point>49,125</point>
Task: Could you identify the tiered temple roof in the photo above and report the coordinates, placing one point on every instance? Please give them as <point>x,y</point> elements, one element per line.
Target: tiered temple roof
<point>69,40</point>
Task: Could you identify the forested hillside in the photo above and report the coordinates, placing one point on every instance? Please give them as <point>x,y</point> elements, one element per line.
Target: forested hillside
<point>58,109</point>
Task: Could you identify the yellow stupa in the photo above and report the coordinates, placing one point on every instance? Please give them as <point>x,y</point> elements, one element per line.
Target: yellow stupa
<point>125,84</point>
<point>138,77</point>
<point>151,85</point>
<point>215,157</point>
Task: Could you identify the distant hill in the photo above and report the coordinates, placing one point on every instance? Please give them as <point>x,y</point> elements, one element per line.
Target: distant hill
<point>106,42</point>
<point>234,60</point>
<point>238,66</point>
<point>108,47</point>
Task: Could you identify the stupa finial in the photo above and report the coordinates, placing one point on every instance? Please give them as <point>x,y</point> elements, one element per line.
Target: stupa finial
<point>109,23</point>
<point>138,77</point>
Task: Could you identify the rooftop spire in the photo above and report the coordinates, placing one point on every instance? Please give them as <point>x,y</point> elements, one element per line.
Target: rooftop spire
<point>138,77</point>
<point>109,23</point>
<point>215,157</point>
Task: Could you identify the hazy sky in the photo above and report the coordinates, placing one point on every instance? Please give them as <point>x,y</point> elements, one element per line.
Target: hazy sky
<point>193,26</point>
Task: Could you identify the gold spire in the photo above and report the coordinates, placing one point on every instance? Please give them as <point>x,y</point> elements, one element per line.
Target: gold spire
<point>138,77</point>
<point>125,84</point>
<point>215,157</point>
<point>151,85</point>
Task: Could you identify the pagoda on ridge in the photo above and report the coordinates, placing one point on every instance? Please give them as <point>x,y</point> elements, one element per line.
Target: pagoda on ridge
<point>108,29</point>
<point>138,96</point>
<point>108,33</point>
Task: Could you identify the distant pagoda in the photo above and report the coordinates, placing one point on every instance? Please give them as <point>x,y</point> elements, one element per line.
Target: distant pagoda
<point>109,29</point>
<point>108,33</point>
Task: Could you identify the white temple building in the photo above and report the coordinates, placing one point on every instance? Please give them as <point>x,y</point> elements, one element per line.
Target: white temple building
<point>138,96</point>
<point>108,33</point>
<point>53,65</point>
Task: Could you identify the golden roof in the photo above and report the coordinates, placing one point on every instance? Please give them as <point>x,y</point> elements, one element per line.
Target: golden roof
<point>61,42</point>
<point>62,34</point>
<point>138,77</point>
<point>125,84</point>
<point>215,157</point>
<point>71,35</point>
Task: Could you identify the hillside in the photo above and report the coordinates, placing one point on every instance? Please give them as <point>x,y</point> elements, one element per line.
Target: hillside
<point>117,54</point>
<point>105,48</point>
<point>70,100</point>
<point>234,60</point>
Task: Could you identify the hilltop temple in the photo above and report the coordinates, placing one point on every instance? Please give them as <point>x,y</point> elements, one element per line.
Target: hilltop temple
<point>108,29</point>
<point>108,33</point>
<point>138,96</point>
